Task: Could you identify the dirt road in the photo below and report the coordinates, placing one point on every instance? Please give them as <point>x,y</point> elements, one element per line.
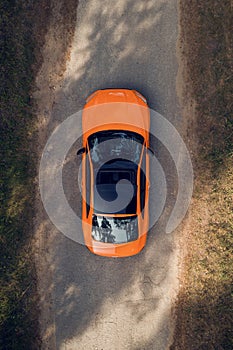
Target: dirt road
<point>92,302</point>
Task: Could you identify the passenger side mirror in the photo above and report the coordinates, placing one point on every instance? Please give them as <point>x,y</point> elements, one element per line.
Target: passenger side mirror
<point>151,150</point>
<point>81,151</point>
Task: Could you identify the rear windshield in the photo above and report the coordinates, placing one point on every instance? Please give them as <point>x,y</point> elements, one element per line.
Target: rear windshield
<point>114,229</point>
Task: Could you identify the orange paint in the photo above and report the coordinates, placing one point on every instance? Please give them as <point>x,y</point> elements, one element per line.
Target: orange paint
<point>115,109</point>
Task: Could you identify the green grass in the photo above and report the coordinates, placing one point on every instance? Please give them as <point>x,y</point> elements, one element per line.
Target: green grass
<point>18,300</point>
<point>205,303</point>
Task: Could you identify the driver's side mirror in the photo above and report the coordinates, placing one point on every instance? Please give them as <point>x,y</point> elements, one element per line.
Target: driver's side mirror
<point>81,151</point>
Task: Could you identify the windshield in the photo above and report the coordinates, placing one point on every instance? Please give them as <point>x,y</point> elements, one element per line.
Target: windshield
<point>115,144</point>
<point>114,229</point>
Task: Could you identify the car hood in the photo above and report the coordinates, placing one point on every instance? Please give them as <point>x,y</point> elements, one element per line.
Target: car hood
<point>121,112</point>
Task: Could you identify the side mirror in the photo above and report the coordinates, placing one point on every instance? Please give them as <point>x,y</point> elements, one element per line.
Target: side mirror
<point>151,150</point>
<point>81,151</point>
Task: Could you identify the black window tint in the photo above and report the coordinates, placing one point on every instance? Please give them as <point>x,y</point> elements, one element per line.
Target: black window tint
<point>121,144</point>
<point>88,185</point>
<point>107,178</point>
<point>143,183</point>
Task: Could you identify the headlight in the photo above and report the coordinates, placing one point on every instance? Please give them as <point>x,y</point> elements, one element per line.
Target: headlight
<point>140,96</point>
<point>91,96</point>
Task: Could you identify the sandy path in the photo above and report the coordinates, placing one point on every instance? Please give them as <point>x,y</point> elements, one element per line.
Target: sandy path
<point>89,302</point>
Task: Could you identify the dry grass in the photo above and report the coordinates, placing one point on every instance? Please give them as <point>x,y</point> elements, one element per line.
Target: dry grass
<point>204,307</point>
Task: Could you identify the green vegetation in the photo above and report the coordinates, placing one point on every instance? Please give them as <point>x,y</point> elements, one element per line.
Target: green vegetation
<point>205,304</point>
<point>18,304</point>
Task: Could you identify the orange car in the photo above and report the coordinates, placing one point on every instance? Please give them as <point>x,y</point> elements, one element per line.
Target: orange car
<point>115,172</point>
